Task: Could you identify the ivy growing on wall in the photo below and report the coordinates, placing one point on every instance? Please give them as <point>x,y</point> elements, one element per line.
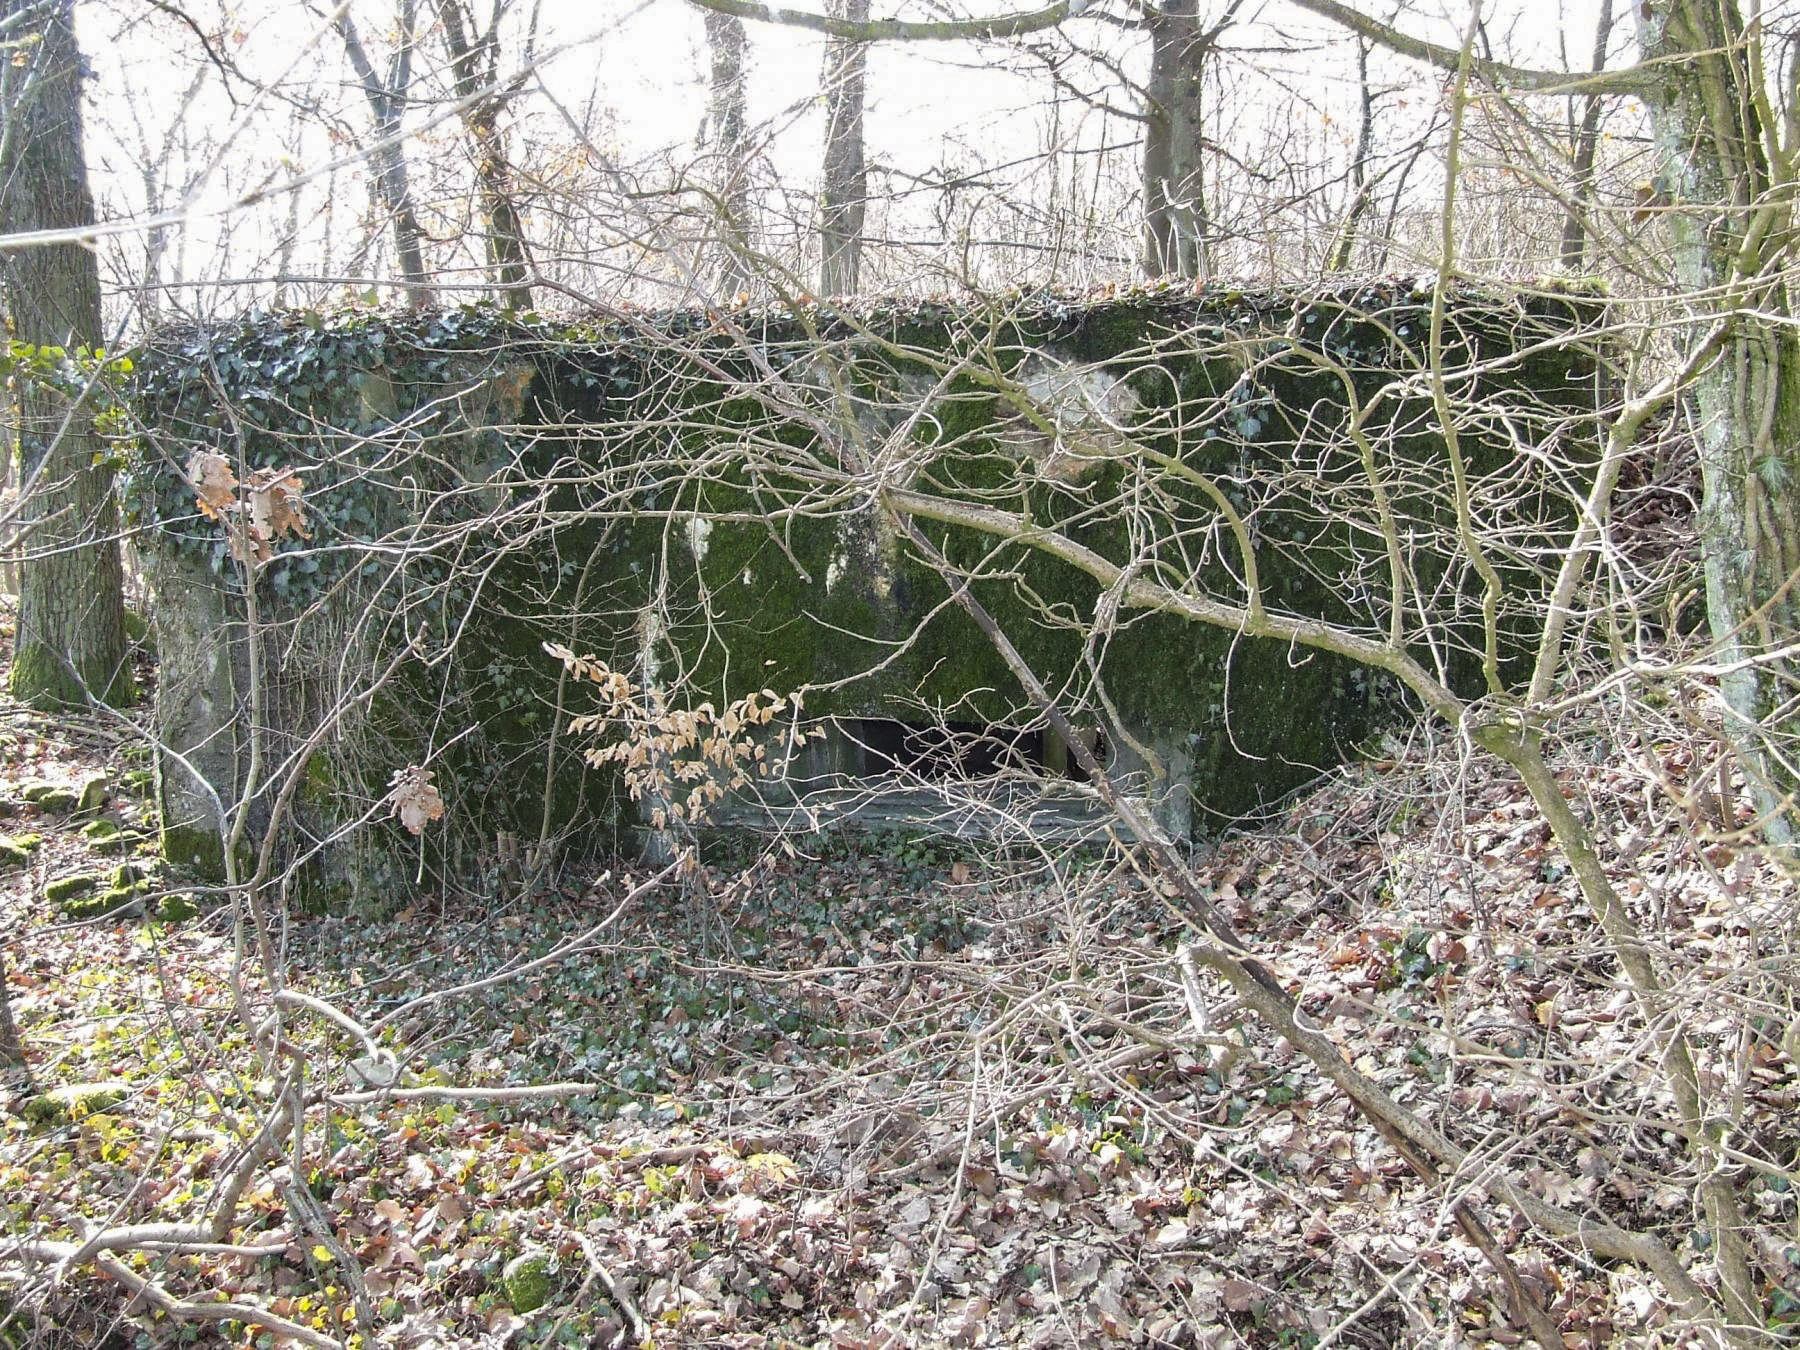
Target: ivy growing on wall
<point>479,483</point>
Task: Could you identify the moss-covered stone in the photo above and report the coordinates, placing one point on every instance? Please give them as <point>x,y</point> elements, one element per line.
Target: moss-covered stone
<point>196,849</point>
<point>54,798</point>
<point>61,1105</point>
<point>88,895</point>
<point>529,1281</point>
<point>177,907</point>
<point>125,841</point>
<point>73,886</point>
<point>16,850</point>
<point>97,830</point>
<point>116,902</point>
<point>93,792</point>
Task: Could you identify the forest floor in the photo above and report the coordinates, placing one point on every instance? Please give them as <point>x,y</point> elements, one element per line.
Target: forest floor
<point>892,1092</point>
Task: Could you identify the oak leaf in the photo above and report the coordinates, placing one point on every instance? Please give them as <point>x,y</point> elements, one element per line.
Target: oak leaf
<point>275,504</point>
<point>214,484</point>
<point>413,798</point>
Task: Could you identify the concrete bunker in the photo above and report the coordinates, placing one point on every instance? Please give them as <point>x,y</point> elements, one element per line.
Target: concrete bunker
<point>695,499</point>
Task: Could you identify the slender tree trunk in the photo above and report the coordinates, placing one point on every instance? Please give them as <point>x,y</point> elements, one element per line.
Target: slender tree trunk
<point>387,101</point>
<point>726,116</point>
<point>1362,190</point>
<point>474,67</point>
<point>1730,224</point>
<point>71,627</point>
<point>1705,1130</point>
<point>1587,145</point>
<point>12,1049</point>
<point>506,255</point>
<point>845,182</point>
<point>1175,221</point>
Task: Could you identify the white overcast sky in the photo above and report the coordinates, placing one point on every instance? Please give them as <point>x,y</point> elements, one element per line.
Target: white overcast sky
<point>639,64</point>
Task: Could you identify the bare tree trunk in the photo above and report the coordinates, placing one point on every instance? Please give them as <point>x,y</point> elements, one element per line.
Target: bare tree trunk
<point>726,116</point>
<point>1362,190</point>
<point>1175,223</point>
<point>71,626</point>
<point>1731,223</point>
<point>1587,145</point>
<point>475,69</point>
<point>387,101</point>
<point>845,183</point>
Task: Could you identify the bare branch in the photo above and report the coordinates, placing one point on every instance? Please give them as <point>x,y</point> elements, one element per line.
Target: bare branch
<point>904,30</point>
<point>1503,75</point>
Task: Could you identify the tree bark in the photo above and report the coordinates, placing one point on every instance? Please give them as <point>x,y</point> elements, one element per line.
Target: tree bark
<point>1362,195</point>
<point>387,101</point>
<point>1587,145</point>
<point>727,45</point>
<point>845,182</point>
<point>1730,222</point>
<point>71,625</point>
<point>12,1050</point>
<point>1175,222</point>
<point>474,67</point>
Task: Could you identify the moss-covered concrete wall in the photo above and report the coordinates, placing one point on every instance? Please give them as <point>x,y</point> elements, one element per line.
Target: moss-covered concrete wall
<point>479,484</point>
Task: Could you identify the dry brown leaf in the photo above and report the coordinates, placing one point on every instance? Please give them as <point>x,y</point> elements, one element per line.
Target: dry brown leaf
<point>214,484</point>
<point>275,505</point>
<point>413,798</point>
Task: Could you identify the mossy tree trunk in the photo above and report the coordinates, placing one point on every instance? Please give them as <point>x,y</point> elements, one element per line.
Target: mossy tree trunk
<point>1727,168</point>
<point>71,622</point>
<point>1723,112</point>
<point>475,71</point>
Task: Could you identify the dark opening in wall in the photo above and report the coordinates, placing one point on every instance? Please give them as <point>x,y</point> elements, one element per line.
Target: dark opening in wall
<point>949,751</point>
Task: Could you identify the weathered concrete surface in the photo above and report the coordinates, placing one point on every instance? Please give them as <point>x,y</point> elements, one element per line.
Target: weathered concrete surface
<point>479,484</point>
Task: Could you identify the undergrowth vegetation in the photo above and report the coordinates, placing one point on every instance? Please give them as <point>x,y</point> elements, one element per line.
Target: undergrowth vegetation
<point>886,1090</point>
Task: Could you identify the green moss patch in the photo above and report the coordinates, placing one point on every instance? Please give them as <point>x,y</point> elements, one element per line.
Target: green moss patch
<point>64,889</point>
<point>125,841</point>
<point>93,792</point>
<point>197,849</point>
<point>177,907</point>
<point>529,1281</point>
<point>52,797</point>
<point>62,1105</point>
<point>16,850</point>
